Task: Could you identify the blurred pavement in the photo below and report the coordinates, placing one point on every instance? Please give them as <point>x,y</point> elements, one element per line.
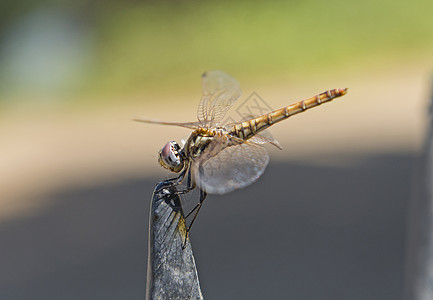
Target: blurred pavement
<point>300,232</point>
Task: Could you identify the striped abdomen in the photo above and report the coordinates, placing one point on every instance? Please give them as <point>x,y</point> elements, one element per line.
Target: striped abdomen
<point>249,128</point>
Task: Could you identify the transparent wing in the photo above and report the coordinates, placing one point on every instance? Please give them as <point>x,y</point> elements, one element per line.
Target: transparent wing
<point>232,168</point>
<point>265,137</point>
<point>190,125</point>
<point>220,92</point>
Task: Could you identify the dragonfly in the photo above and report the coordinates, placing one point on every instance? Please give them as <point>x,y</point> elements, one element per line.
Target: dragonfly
<point>218,158</point>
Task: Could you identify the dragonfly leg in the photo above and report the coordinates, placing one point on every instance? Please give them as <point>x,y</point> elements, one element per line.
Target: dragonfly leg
<point>196,209</point>
<point>178,179</point>
<point>175,181</point>
<point>190,185</point>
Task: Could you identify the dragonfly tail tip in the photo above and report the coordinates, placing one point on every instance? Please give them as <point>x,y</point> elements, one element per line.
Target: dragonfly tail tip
<point>343,91</point>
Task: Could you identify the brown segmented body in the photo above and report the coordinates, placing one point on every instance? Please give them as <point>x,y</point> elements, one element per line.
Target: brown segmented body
<point>249,128</point>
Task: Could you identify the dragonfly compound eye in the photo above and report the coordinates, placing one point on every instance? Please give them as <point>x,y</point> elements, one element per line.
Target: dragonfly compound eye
<point>169,157</point>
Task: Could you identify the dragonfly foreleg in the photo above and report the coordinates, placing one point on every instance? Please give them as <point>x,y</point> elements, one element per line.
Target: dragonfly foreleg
<point>175,181</point>
<point>196,209</point>
<point>190,185</point>
<point>178,179</point>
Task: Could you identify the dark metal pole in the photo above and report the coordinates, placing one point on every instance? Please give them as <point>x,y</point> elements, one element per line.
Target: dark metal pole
<point>171,270</point>
<point>419,250</point>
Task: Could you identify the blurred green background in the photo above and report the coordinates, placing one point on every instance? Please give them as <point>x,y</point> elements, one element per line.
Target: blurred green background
<point>93,48</point>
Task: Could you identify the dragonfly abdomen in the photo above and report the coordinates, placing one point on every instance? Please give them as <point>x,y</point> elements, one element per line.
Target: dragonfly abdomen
<point>249,128</point>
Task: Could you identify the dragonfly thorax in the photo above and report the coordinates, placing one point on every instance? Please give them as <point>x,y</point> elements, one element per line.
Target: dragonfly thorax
<point>170,158</point>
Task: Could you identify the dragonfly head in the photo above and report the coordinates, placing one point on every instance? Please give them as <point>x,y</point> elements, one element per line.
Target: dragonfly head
<point>170,158</point>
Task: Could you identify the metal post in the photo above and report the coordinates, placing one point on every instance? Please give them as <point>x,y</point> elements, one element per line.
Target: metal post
<point>171,270</point>
<point>419,250</point>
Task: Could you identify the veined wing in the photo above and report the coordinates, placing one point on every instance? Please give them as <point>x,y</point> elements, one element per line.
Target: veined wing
<point>232,168</point>
<point>220,92</point>
<point>190,125</point>
<point>265,137</point>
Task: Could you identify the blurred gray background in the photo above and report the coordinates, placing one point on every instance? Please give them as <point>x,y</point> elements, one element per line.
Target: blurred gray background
<point>300,232</point>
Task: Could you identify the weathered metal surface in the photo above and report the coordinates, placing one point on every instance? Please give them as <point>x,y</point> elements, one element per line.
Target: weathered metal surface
<point>171,270</point>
